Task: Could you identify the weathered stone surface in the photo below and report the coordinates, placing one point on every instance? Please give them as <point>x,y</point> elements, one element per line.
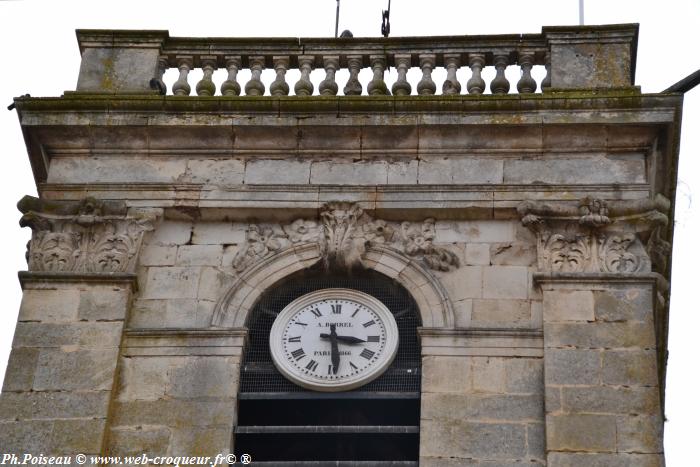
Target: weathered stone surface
<point>214,282</point>
<point>624,304</point>
<point>21,366</point>
<point>446,374</point>
<point>506,282</point>
<point>47,405</point>
<point>581,433</point>
<point>481,231</point>
<point>144,378</point>
<point>75,369</point>
<point>630,368</point>
<point>138,440</point>
<point>204,377</point>
<point>502,312</point>
<point>277,171</point>
<point>627,168</point>
<point>571,367</point>
<point>561,459</point>
<point>536,440</point>
<point>610,399</point>
<point>524,375</point>
<point>489,374</point>
<point>463,283</point>
<point>482,407</point>
<point>640,434</point>
<point>568,305</point>
<point>199,255</point>
<point>214,171</point>
<point>449,170</point>
<point>50,305</point>
<point>171,232</point>
<point>403,172</point>
<point>77,436</point>
<point>190,441</point>
<point>26,436</point>
<point>116,170</point>
<point>158,255</point>
<point>87,334</point>
<point>103,303</point>
<point>218,233</point>
<point>349,173</point>
<point>461,438</point>
<point>172,282</point>
<point>600,335</point>
<point>513,254</point>
<point>174,412</point>
<point>477,254</point>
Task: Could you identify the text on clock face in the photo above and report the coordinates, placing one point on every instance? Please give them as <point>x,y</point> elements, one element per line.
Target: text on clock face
<point>355,330</point>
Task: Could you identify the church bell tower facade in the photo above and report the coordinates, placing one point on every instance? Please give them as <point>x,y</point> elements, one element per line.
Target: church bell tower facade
<point>348,270</point>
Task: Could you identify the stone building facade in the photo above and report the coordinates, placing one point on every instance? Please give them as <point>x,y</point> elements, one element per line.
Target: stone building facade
<point>527,236</point>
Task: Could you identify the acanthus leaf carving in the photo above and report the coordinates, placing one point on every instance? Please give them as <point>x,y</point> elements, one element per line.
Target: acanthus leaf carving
<point>598,235</point>
<point>344,233</point>
<point>88,236</point>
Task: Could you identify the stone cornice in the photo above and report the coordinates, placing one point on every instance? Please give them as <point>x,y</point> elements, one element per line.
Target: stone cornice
<point>31,277</point>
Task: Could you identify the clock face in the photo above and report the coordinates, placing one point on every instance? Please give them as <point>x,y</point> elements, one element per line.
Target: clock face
<point>333,340</point>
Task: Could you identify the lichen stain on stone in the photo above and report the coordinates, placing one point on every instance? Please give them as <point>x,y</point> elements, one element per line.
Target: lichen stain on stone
<point>108,77</point>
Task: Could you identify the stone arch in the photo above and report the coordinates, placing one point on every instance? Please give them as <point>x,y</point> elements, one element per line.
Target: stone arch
<point>433,302</point>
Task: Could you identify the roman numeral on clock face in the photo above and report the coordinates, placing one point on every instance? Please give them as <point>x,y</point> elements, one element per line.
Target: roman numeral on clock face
<point>316,312</point>
<point>336,308</point>
<point>353,366</point>
<point>369,339</point>
<point>366,353</point>
<point>368,323</point>
<point>312,365</point>
<point>298,354</point>
<point>294,339</point>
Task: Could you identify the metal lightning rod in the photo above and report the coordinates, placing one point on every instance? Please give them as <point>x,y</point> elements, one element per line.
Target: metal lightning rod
<point>580,12</point>
<point>386,27</point>
<point>337,16</point>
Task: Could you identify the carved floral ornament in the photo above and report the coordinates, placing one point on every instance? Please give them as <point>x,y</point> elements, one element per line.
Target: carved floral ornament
<point>344,233</point>
<point>599,236</point>
<point>90,236</point>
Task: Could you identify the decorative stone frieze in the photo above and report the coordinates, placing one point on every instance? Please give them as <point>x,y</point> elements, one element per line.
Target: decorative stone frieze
<point>86,237</point>
<point>344,233</point>
<point>598,235</point>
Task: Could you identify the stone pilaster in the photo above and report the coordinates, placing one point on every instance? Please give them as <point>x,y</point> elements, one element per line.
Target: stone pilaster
<point>77,293</point>
<point>601,378</point>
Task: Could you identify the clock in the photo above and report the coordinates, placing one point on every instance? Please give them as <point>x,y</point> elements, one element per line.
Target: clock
<point>334,340</point>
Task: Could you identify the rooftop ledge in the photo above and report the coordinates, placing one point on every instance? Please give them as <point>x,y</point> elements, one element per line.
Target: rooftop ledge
<point>572,58</point>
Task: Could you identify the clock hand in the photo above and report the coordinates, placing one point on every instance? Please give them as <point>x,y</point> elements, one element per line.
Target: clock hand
<point>345,339</point>
<point>335,355</point>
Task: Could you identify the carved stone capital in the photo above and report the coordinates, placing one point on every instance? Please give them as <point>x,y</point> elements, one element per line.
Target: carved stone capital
<point>344,232</point>
<point>86,237</point>
<point>599,236</point>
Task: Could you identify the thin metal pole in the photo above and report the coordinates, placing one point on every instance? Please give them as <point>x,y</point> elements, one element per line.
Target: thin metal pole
<point>337,16</point>
<point>580,12</point>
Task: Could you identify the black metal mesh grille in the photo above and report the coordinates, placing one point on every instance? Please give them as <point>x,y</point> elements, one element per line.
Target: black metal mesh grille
<point>259,374</point>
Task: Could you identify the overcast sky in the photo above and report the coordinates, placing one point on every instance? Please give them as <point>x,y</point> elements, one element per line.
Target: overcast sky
<point>40,56</point>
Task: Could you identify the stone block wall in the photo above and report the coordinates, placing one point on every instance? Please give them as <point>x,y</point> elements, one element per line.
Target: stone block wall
<point>601,376</point>
<point>63,367</point>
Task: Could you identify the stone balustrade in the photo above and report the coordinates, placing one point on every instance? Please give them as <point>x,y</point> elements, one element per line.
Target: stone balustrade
<point>128,62</point>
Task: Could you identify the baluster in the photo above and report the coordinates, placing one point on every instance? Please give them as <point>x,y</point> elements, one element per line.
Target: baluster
<point>328,86</point>
<point>476,84</point>
<point>526,84</point>
<point>304,87</point>
<point>255,86</point>
<point>353,86</point>
<point>547,81</point>
<point>426,85</point>
<point>451,85</point>
<point>230,87</point>
<point>181,87</point>
<point>402,87</point>
<point>279,86</point>
<point>377,87</point>
<point>500,84</point>
<point>206,86</point>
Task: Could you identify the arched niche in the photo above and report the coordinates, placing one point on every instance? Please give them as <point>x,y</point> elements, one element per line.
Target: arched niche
<point>433,302</point>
